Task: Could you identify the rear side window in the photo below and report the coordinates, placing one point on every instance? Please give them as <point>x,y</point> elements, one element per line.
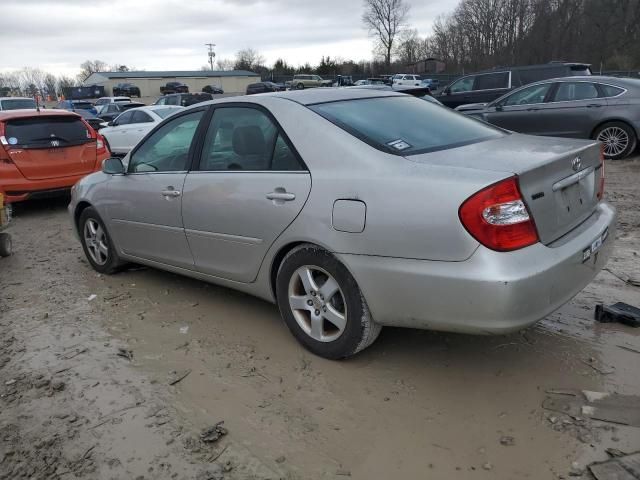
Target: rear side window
<point>141,117</point>
<point>405,125</point>
<point>610,90</point>
<point>41,132</point>
<point>573,91</point>
<point>492,81</point>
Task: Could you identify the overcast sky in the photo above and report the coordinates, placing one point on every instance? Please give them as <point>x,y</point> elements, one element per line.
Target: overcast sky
<point>58,35</point>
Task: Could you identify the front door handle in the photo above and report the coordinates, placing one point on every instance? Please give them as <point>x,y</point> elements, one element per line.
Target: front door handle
<point>284,196</point>
<point>594,105</point>
<point>170,192</point>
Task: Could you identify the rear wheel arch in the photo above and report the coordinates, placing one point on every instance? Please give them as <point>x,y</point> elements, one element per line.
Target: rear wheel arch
<point>277,261</point>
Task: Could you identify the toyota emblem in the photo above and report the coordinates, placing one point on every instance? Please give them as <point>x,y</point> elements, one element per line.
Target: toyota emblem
<point>576,164</point>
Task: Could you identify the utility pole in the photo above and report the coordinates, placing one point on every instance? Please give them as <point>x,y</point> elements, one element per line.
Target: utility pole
<point>212,54</point>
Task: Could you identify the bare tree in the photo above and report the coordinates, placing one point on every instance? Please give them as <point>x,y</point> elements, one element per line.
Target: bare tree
<point>225,64</point>
<point>89,67</point>
<point>385,19</point>
<point>50,85</point>
<point>249,59</point>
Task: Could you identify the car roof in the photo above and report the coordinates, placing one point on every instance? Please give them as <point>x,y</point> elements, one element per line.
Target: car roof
<point>26,113</point>
<point>330,94</point>
<point>621,81</point>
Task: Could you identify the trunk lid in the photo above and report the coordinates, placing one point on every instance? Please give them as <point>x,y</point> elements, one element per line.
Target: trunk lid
<point>50,147</point>
<point>559,190</point>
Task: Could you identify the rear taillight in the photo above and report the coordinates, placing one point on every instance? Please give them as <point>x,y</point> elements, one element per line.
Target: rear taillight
<point>498,218</point>
<point>4,146</point>
<point>101,147</point>
<point>600,192</point>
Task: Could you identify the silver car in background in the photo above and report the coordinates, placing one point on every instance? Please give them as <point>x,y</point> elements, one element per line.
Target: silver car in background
<point>353,209</point>
<point>606,109</point>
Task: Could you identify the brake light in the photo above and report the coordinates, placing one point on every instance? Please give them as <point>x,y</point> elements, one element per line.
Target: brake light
<point>101,147</point>
<point>498,218</point>
<point>600,192</point>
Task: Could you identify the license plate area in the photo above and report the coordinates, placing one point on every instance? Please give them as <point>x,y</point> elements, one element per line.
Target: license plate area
<point>595,246</point>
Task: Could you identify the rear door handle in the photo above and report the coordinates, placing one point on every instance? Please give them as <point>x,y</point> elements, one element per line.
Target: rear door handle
<point>594,105</point>
<point>284,196</point>
<point>170,192</point>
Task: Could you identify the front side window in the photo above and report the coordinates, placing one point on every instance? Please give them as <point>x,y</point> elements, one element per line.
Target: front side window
<point>162,101</point>
<point>528,96</point>
<point>573,91</point>
<point>167,149</point>
<point>492,81</point>
<point>462,85</point>
<point>245,139</point>
<point>124,119</point>
<point>405,125</point>
<point>141,117</point>
<point>173,100</point>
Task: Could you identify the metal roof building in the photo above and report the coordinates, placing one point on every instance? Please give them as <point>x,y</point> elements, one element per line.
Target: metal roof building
<point>149,83</point>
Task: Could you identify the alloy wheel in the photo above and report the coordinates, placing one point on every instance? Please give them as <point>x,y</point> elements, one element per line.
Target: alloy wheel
<point>615,141</point>
<point>317,303</point>
<point>96,241</point>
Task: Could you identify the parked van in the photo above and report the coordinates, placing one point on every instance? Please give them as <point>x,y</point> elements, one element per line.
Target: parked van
<point>484,87</point>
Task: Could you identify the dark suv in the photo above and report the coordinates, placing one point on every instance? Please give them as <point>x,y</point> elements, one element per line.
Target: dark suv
<point>483,87</point>
<point>174,87</point>
<point>126,90</point>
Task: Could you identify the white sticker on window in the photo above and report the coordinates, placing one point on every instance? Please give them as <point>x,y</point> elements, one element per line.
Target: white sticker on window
<point>13,141</point>
<point>399,144</point>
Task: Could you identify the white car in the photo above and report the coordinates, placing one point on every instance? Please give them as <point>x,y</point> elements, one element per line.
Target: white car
<point>407,79</point>
<point>360,83</point>
<point>106,100</point>
<point>131,126</point>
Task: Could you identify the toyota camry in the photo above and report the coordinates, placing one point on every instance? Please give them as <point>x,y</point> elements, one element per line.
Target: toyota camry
<point>354,209</point>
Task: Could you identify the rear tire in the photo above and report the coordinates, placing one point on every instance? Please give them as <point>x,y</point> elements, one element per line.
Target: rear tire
<point>322,304</point>
<point>96,243</point>
<point>619,139</point>
<point>5,245</point>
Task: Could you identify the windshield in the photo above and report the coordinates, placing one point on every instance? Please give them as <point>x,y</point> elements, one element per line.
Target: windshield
<point>40,132</point>
<point>17,104</point>
<point>405,125</point>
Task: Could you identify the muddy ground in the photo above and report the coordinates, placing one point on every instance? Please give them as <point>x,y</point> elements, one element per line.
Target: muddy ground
<point>87,362</point>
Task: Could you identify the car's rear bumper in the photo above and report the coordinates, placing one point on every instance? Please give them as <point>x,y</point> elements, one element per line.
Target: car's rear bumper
<point>21,189</point>
<point>491,292</point>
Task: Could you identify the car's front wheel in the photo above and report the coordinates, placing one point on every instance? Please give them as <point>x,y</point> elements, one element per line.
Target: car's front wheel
<point>96,242</point>
<point>300,86</point>
<point>618,138</point>
<point>322,304</point>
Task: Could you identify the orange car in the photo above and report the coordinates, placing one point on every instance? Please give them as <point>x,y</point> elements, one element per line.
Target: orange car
<point>46,152</point>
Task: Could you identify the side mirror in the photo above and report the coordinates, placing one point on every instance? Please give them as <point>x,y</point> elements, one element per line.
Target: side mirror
<point>111,124</point>
<point>446,91</point>
<point>113,166</point>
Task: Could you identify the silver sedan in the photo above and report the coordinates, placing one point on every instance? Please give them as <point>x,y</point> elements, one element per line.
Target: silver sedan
<point>353,209</point>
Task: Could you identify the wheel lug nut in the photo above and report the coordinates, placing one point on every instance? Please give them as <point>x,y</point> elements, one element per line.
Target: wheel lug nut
<point>317,312</point>
<point>309,302</point>
<point>313,294</point>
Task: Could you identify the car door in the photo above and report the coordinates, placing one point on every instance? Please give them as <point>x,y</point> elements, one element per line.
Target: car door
<point>575,110</point>
<point>141,124</point>
<point>145,211</point>
<point>523,111</point>
<point>459,92</point>
<point>490,86</point>
<point>116,133</point>
<point>247,187</point>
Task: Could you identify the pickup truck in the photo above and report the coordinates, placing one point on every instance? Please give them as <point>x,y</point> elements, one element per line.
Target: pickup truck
<point>174,87</point>
<point>308,81</point>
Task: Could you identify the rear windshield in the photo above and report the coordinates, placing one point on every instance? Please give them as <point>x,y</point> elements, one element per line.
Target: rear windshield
<point>405,125</point>
<point>83,105</point>
<point>41,132</point>
<point>17,104</point>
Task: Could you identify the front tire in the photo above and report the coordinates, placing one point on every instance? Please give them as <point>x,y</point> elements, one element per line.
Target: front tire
<point>96,242</point>
<point>300,86</point>
<point>619,139</point>
<point>322,304</point>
